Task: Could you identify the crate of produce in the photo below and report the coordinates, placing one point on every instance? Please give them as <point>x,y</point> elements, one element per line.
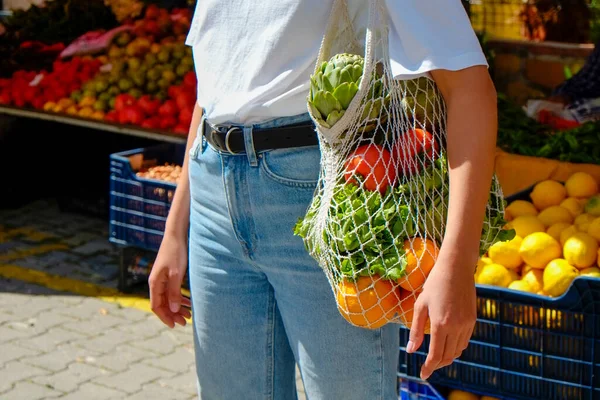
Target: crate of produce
<point>142,185</point>
<point>528,346</point>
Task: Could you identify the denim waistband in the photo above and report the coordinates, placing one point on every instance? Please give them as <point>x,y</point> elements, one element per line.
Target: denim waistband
<point>275,123</point>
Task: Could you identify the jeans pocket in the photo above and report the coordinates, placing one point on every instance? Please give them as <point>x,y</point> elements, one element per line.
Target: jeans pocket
<point>297,167</point>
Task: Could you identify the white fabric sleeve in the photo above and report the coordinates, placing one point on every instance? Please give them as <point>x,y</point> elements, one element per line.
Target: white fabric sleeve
<point>426,35</point>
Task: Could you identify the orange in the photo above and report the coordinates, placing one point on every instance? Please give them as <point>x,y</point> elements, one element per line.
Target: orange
<point>407,309</point>
<point>420,259</point>
<point>370,302</point>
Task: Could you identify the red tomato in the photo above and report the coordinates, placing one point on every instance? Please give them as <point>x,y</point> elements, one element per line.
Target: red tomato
<point>409,147</point>
<point>373,163</point>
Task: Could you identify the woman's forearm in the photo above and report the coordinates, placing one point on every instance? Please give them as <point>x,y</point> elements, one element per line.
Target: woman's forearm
<point>471,136</point>
<point>179,214</point>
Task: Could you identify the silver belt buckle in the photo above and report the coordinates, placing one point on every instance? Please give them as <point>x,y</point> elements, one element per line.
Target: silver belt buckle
<point>228,134</point>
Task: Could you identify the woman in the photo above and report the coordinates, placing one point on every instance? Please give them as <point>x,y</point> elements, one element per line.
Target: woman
<point>260,302</point>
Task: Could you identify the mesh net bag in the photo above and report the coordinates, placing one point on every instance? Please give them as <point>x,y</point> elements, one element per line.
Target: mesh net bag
<point>378,215</point>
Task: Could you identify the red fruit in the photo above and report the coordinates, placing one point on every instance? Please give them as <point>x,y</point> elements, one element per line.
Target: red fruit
<point>167,122</point>
<point>185,116</point>
<point>112,116</point>
<point>185,99</point>
<point>153,11</point>
<point>410,148</point>
<point>123,100</point>
<point>173,91</point>
<point>151,27</point>
<point>5,98</point>
<point>372,162</point>
<point>150,123</point>
<point>38,103</point>
<point>132,115</point>
<point>189,79</point>
<point>148,105</point>
<point>181,129</point>
<point>168,109</point>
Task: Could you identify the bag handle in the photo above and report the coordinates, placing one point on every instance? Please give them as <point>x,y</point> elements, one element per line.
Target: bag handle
<point>377,27</point>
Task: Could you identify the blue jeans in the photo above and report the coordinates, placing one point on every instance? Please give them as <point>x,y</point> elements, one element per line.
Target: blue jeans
<point>260,302</point>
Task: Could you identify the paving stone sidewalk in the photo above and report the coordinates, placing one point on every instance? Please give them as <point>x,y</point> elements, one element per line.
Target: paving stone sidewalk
<point>56,345</point>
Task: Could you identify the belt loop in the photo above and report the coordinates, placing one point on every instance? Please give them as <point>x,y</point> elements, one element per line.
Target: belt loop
<point>199,140</point>
<point>249,145</point>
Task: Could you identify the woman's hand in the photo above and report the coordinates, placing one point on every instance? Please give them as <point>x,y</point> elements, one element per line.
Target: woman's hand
<point>449,302</point>
<point>165,281</point>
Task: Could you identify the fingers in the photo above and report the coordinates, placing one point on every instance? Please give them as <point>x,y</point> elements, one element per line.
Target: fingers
<point>436,352</point>
<point>158,284</point>
<point>417,329</point>
<point>186,302</point>
<point>174,290</point>
<point>451,350</point>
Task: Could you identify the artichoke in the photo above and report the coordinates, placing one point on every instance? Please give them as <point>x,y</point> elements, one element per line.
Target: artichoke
<point>334,86</point>
<point>420,100</point>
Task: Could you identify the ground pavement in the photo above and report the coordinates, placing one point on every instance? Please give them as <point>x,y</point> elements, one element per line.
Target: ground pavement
<point>65,331</point>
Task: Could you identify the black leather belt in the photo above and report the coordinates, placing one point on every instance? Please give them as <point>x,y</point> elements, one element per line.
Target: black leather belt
<point>230,139</point>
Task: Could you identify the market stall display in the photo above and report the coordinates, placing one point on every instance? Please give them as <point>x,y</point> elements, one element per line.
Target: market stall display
<point>138,74</point>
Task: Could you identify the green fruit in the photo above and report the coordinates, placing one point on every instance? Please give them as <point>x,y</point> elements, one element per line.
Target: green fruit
<point>123,39</point>
<point>163,56</point>
<point>150,59</point>
<point>111,103</point>
<point>104,96</point>
<point>153,74</point>
<point>76,96</point>
<point>151,87</point>
<point>134,63</point>
<point>100,105</point>
<point>169,75</point>
<point>181,70</point>
<point>89,93</point>
<point>334,86</point>
<point>163,83</point>
<point>125,84</point>
<point>137,93</point>
<point>118,66</point>
<point>178,54</point>
<point>114,90</point>
<point>101,85</point>
<point>189,61</point>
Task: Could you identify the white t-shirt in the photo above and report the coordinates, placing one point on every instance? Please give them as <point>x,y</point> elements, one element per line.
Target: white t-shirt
<point>253,58</point>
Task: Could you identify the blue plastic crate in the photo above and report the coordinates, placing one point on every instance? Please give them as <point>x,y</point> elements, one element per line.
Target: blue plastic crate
<point>526,346</point>
<point>413,389</point>
<point>139,206</point>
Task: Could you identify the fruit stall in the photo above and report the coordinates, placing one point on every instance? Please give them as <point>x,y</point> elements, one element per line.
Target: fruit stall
<point>116,66</point>
<point>122,66</point>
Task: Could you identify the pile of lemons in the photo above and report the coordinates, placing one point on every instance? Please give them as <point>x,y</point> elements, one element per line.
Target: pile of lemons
<point>461,395</point>
<point>557,239</point>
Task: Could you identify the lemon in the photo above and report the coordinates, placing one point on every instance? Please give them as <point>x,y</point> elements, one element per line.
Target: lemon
<point>592,272</point>
<point>567,233</point>
<point>535,279</point>
<point>483,261</point>
<point>539,248</point>
<point>514,275</point>
<point>594,229</point>
<point>526,268</point>
<point>581,184</point>
<point>574,205</point>
<point>461,395</point>
<point>592,206</point>
<point>507,253</point>
<point>548,193</point>
<point>581,250</point>
<point>521,286</point>
<point>494,274</point>
<point>558,276</point>
<point>526,225</point>
<point>556,229</point>
<point>555,214</point>
<point>583,221</point>
<point>518,208</point>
